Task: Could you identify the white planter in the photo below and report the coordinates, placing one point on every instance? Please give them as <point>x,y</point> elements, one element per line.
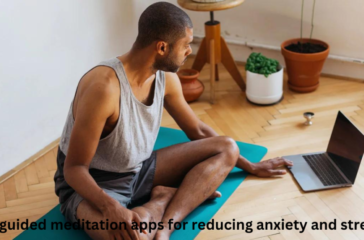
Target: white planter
<point>264,90</point>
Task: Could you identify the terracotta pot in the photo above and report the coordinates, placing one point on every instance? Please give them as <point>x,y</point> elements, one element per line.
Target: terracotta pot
<point>192,87</point>
<point>304,69</point>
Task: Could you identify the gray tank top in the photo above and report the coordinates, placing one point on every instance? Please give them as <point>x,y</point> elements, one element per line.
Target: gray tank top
<point>133,138</point>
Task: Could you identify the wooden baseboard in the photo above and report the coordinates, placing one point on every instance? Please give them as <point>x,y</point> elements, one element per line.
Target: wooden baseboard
<point>33,158</point>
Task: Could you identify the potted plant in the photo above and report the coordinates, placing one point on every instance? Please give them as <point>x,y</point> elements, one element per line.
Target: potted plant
<point>304,59</point>
<point>192,87</point>
<point>264,80</point>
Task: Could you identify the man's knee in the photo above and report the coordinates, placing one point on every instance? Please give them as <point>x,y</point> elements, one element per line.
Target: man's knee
<point>230,148</point>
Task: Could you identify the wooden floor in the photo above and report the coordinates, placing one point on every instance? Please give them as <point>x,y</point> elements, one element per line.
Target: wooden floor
<point>30,193</point>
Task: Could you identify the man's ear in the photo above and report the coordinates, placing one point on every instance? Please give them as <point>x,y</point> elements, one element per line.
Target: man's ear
<point>162,48</point>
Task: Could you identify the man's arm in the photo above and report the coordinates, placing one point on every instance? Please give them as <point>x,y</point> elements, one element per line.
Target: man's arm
<point>195,129</point>
<point>93,109</point>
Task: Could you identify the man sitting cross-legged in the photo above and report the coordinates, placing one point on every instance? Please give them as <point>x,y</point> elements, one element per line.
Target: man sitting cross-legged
<point>106,161</point>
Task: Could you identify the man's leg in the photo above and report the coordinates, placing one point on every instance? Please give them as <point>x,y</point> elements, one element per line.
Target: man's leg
<point>151,211</point>
<point>197,168</point>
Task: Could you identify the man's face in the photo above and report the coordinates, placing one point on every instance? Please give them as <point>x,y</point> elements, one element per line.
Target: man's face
<point>176,56</point>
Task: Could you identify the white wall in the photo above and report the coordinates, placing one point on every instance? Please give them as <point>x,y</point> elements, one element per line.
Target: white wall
<point>46,47</point>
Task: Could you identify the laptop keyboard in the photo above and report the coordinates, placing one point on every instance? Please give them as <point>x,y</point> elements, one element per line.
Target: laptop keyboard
<point>324,169</point>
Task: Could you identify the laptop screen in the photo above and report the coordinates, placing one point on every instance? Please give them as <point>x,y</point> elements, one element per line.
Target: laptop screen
<point>346,146</point>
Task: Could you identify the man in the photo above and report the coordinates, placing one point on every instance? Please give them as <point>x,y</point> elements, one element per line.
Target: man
<point>106,160</point>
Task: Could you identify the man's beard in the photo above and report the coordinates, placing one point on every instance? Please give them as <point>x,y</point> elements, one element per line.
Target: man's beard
<point>166,64</point>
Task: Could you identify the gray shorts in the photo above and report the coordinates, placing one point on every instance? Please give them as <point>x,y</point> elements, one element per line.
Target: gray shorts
<point>129,189</point>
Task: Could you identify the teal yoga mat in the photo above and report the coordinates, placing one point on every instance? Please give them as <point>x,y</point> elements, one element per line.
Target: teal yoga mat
<point>203,213</point>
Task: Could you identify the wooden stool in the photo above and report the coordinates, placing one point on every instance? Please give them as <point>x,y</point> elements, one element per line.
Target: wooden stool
<point>213,48</point>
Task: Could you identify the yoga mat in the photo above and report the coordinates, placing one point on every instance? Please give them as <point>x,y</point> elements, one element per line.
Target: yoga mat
<point>203,213</point>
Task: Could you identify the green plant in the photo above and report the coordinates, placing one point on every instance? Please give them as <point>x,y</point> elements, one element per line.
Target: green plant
<point>257,63</point>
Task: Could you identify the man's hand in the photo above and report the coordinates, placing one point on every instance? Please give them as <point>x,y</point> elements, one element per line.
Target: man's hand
<point>269,167</point>
<point>117,213</point>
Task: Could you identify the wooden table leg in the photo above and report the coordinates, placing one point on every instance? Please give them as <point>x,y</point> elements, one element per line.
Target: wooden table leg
<point>230,65</point>
<point>212,71</point>
<point>220,53</point>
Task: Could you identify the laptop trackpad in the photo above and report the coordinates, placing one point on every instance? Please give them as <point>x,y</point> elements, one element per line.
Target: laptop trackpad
<point>304,175</point>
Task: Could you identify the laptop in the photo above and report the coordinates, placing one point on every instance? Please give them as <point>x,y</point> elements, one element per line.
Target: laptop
<point>338,166</point>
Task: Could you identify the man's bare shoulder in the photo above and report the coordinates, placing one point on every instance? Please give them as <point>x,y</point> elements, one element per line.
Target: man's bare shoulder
<point>100,86</point>
<point>101,78</point>
<point>171,76</point>
<point>173,84</point>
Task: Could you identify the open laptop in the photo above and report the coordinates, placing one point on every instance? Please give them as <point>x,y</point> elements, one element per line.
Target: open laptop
<point>338,166</point>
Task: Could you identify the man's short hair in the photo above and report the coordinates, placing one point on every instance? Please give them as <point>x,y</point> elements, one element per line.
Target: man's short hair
<point>162,21</point>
